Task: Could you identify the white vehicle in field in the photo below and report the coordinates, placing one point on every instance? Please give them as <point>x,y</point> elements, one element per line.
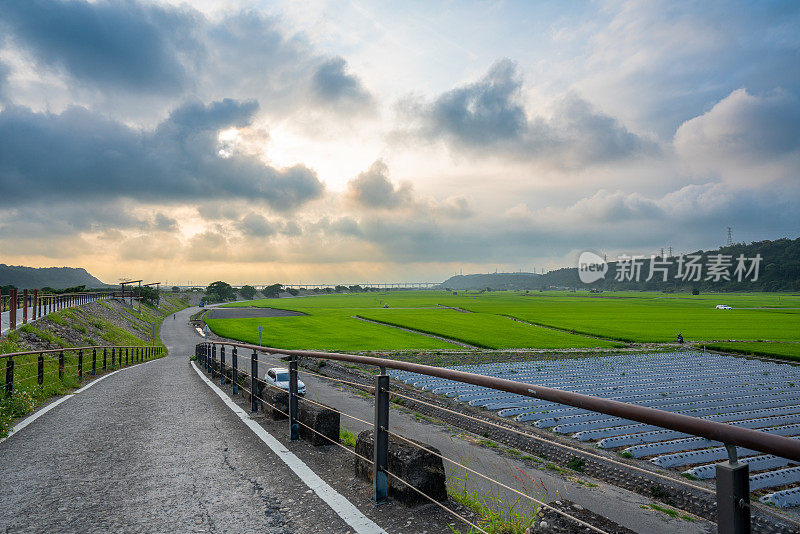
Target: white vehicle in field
<point>723,307</point>
<point>279,377</point>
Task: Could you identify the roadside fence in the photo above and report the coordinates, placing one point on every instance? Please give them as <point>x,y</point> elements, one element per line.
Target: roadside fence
<point>35,367</point>
<point>23,306</point>
<point>234,368</point>
<point>732,481</point>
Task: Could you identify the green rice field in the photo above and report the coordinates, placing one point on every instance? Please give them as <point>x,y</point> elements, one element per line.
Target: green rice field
<point>577,320</point>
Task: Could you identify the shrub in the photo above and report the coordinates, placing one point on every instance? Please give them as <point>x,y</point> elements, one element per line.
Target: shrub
<point>576,464</point>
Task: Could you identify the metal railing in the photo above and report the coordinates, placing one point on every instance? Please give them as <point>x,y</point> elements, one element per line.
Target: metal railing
<point>732,487</point>
<point>102,359</point>
<point>28,305</point>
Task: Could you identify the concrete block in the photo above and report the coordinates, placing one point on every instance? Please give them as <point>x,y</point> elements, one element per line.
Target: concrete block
<point>324,420</point>
<point>422,469</point>
<point>279,400</point>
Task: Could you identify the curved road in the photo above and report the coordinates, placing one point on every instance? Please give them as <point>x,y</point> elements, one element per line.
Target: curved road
<point>151,449</point>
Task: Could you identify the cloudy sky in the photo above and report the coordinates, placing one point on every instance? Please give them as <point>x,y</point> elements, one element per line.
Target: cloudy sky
<point>350,141</point>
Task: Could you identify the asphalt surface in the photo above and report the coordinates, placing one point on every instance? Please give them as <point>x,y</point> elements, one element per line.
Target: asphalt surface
<point>5,319</point>
<point>151,449</point>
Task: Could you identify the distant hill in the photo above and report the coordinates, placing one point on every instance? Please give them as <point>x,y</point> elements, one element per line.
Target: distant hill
<point>494,281</point>
<point>55,277</point>
<point>779,271</point>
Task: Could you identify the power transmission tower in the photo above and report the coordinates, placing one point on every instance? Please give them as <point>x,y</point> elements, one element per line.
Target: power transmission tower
<point>730,237</point>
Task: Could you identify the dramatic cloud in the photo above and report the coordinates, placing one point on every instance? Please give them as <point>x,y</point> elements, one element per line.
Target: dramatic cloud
<point>112,44</point>
<point>79,154</point>
<point>4,70</point>
<point>489,116</point>
<point>655,64</point>
<point>254,224</point>
<point>372,188</point>
<point>200,134</point>
<point>35,222</point>
<point>745,139</point>
<point>332,82</point>
<point>140,49</point>
<point>614,221</point>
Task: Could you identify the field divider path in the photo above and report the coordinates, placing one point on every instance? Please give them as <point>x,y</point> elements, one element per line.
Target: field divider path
<point>454,308</point>
<point>419,332</point>
<point>565,330</point>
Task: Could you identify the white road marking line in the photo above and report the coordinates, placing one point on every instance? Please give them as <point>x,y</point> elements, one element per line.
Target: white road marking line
<point>344,508</point>
<point>36,415</point>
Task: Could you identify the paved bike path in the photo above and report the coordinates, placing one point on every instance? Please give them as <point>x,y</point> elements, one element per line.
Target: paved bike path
<point>151,449</point>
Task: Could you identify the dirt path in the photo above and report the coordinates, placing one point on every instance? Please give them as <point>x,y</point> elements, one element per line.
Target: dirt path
<point>441,338</point>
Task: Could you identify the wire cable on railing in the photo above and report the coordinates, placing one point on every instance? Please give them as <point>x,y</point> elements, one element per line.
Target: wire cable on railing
<point>434,501</point>
<point>564,446</point>
<point>337,411</point>
<point>490,479</point>
<point>455,514</point>
<point>337,379</point>
<point>320,434</point>
<point>319,375</point>
<point>544,440</point>
<point>300,422</point>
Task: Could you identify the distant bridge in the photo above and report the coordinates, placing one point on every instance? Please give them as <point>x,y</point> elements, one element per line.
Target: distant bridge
<point>376,285</point>
<point>372,285</point>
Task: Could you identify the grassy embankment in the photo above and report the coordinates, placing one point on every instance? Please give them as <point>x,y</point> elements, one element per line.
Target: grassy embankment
<point>84,329</point>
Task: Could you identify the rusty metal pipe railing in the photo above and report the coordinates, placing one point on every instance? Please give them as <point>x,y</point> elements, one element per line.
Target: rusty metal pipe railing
<point>727,434</point>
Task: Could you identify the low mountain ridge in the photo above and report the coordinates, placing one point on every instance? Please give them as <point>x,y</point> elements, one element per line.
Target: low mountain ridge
<point>493,281</point>
<point>56,277</point>
<point>778,270</point>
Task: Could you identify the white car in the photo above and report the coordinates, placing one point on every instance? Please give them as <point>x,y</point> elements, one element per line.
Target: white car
<point>723,307</point>
<point>279,377</point>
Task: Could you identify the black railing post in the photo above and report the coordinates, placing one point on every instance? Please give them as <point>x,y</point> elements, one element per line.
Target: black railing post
<point>733,495</point>
<point>9,377</point>
<point>294,427</point>
<point>222,365</point>
<point>105,359</point>
<point>112,357</point>
<point>380,452</point>
<point>213,361</point>
<point>235,371</point>
<point>94,362</point>
<point>61,365</point>
<point>126,357</point>
<point>254,382</point>
<point>80,365</point>
<point>40,369</point>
